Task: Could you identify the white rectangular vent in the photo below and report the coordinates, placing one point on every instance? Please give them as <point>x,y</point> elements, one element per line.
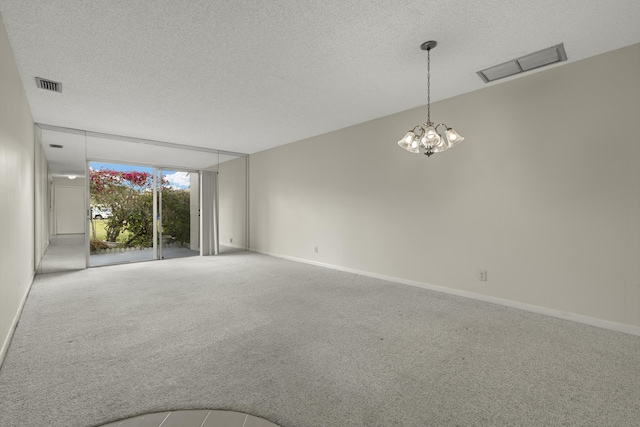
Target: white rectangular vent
<point>529,62</point>
<point>49,84</point>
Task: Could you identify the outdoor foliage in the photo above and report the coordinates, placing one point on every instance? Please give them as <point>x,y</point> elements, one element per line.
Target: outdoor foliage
<point>124,194</point>
<point>175,215</point>
<point>129,196</point>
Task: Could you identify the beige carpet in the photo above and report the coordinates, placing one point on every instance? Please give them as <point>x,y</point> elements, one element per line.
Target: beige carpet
<point>302,346</point>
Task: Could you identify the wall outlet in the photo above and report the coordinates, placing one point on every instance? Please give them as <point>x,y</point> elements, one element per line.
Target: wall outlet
<point>315,249</point>
<point>482,275</point>
<point>230,239</point>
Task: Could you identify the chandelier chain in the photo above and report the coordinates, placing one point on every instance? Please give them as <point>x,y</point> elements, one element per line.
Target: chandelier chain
<point>428,87</point>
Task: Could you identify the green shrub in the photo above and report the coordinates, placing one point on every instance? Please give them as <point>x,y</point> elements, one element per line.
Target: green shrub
<point>176,214</point>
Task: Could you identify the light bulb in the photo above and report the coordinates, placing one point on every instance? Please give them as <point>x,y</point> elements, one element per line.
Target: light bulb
<point>453,137</point>
<point>409,142</point>
<point>430,138</point>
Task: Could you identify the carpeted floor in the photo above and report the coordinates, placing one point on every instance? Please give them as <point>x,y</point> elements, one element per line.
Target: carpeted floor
<point>65,253</point>
<point>302,346</point>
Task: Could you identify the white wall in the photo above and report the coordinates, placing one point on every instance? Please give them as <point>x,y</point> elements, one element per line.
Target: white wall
<point>42,199</point>
<point>232,201</point>
<point>17,191</point>
<point>544,193</point>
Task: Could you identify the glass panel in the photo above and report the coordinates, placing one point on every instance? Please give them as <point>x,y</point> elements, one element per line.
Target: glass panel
<point>121,205</point>
<point>111,149</point>
<point>178,226</point>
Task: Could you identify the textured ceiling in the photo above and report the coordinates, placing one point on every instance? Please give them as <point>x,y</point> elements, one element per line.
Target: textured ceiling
<point>247,75</point>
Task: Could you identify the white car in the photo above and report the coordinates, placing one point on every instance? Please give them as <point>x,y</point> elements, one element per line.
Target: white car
<point>101,213</point>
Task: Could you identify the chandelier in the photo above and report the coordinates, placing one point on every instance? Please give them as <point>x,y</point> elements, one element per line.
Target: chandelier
<point>426,136</point>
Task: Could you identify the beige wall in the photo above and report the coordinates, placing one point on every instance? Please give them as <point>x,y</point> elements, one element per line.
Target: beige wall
<point>544,193</point>
<point>17,190</point>
<point>232,202</point>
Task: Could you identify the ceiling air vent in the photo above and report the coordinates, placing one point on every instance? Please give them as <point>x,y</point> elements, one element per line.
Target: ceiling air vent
<point>49,84</point>
<point>529,62</point>
<point>55,145</point>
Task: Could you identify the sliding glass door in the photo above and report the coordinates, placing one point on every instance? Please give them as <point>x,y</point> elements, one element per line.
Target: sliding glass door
<point>179,207</point>
<point>121,213</point>
<point>139,213</point>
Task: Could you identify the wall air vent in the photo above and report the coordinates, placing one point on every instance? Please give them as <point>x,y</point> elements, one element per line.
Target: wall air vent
<point>49,84</point>
<point>55,145</point>
<point>529,62</point>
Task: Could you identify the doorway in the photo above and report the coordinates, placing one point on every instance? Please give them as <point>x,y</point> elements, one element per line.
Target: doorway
<point>69,210</point>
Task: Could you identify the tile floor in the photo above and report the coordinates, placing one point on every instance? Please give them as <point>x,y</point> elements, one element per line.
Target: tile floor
<point>200,418</point>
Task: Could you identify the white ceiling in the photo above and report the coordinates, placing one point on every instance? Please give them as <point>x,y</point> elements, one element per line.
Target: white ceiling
<point>68,160</point>
<point>248,75</point>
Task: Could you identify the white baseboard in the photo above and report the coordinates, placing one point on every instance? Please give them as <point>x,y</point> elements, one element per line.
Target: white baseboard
<point>233,245</point>
<point>593,321</point>
<point>16,318</point>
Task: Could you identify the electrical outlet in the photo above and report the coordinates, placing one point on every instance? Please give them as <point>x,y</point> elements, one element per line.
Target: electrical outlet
<point>315,249</point>
<point>482,275</point>
<point>230,239</point>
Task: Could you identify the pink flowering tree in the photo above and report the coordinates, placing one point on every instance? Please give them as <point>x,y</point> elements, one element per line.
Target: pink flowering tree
<point>129,197</point>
